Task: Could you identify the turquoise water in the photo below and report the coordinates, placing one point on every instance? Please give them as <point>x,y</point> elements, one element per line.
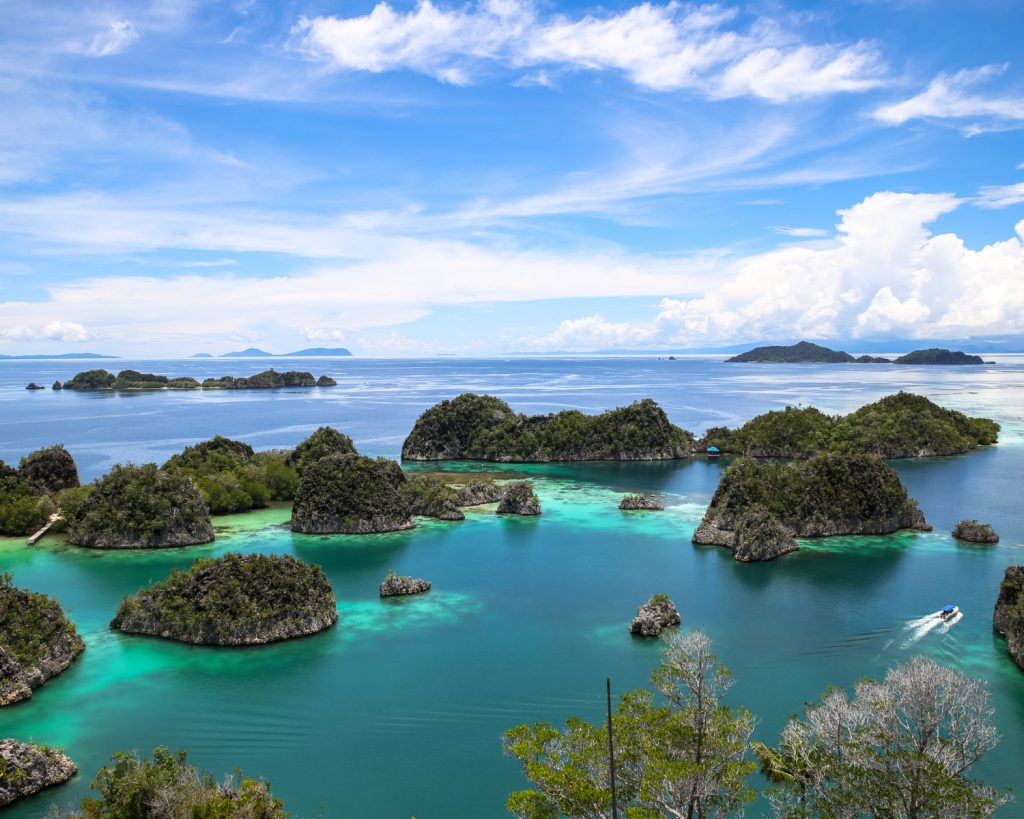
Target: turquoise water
<point>398,711</point>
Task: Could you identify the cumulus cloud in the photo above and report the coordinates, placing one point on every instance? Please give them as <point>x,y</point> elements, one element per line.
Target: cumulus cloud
<point>115,38</point>
<point>952,97</point>
<point>658,47</point>
<point>70,331</point>
<point>588,333</point>
<point>322,334</point>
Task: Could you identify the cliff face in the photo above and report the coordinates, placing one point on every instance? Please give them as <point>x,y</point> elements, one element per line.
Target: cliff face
<point>351,494</point>
<point>820,497</point>
<point>37,641</point>
<point>233,600</point>
<point>478,493</point>
<point>1008,619</point>
<point>141,507</point>
<point>484,428</point>
<point>27,768</point>
<point>519,499</point>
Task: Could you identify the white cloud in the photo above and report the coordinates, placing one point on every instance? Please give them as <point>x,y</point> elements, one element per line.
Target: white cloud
<point>658,47</point>
<point>322,334</point>
<point>950,97</point>
<point>114,39</point>
<point>588,334</point>
<point>70,331</point>
<point>1000,196</point>
<point>799,232</point>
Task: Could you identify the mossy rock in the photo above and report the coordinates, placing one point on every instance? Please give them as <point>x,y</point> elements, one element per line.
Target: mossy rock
<point>429,496</point>
<point>641,502</point>
<point>141,507</point>
<point>519,499</point>
<point>233,600</point>
<point>974,532</point>
<point>351,494</point>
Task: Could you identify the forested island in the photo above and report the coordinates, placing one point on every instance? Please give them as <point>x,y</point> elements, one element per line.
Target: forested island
<point>903,425</point>
<point>759,507</point>
<point>37,641</point>
<point>484,428</point>
<point>233,600</point>
<point>805,352</point>
<point>43,482</point>
<point>133,380</point>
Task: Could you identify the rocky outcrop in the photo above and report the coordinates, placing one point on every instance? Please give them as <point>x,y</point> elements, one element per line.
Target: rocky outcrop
<point>1008,619</point>
<point>326,381</point>
<point>485,428</point>
<point>233,600</point>
<point>395,585</point>
<point>429,496</point>
<point>37,641</point>
<point>32,385</point>
<point>760,536</point>
<point>652,617</point>
<point>823,496</point>
<point>477,493</point>
<point>141,507</point>
<point>351,494</point>
<point>27,768</point>
<point>519,499</point>
<point>640,502</point>
<point>974,532</point>
<point>49,470</point>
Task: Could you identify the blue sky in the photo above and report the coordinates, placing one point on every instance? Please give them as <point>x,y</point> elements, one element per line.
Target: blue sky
<point>480,178</point>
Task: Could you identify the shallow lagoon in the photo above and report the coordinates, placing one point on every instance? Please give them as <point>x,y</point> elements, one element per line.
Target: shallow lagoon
<point>398,711</point>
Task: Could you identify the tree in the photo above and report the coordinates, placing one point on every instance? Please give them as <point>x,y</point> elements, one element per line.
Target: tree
<point>680,755</point>
<point>902,747</point>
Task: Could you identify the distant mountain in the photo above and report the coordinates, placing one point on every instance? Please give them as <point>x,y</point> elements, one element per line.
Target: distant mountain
<point>250,352</point>
<point>201,355</point>
<point>311,352</point>
<point>55,355</point>
<point>803,352</point>
<point>935,355</point>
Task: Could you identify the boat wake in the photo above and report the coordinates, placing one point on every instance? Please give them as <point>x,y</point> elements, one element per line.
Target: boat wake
<point>920,627</point>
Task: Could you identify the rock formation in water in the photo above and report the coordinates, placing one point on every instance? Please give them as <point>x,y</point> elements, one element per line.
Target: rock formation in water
<point>429,496</point>
<point>478,493</point>
<point>902,425</point>
<point>27,768</point>
<point>233,600</point>
<point>395,585</point>
<point>141,507</point>
<point>1008,619</point>
<point>519,499</point>
<point>935,355</point>
<point>32,385</point>
<point>484,428</point>
<point>351,494</point>
<point>49,470</point>
<point>640,502</point>
<point>656,614</point>
<point>37,641</point>
<point>326,381</point>
<point>803,352</point>
<point>974,532</point>
<point>826,495</point>
<point>760,536</point>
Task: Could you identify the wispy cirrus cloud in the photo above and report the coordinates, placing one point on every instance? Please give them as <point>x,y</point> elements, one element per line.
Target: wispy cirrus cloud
<point>114,39</point>
<point>659,47</point>
<point>999,196</point>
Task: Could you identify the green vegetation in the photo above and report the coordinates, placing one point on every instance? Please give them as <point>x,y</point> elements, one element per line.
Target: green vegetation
<point>974,532</point>
<point>131,380</point>
<point>140,507</point>
<point>325,441</point>
<point>828,494</point>
<point>678,752</point>
<point>903,425</point>
<point>803,352</point>
<point>901,747</point>
<point>49,470</point>
<point>32,492</point>
<point>351,494</point>
<point>233,478</point>
<point>131,787</point>
<point>484,428</point>
<point>233,600</point>
<point>1008,619</point>
<point>31,624</point>
<point>430,496</point>
<point>936,355</point>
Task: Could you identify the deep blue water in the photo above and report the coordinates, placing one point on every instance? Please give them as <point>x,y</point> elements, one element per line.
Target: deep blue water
<point>398,711</point>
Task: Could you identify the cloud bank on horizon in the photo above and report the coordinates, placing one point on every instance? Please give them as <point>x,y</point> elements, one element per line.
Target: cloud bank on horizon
<point>503,175</point>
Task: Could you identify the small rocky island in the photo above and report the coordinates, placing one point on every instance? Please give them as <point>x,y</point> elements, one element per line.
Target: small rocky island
<point>429,496</point>
<point>1008,619</point>
<point>936,355</point>
<point>396,585</point>
<point>759,507</point>
<point>235,600</point>
<point>27,768</point>
<point>974,532</point>
<point>141,507</point>
<point>654,616</point>
<point>133,381</point>
<point>37,641</point>
<point>803,352</point>
<point>478,493</point>
<point>519,499</point>
<point>484,428</point>
<point>902,425</point>
<point>641,502</point>
<point>351,494</point>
